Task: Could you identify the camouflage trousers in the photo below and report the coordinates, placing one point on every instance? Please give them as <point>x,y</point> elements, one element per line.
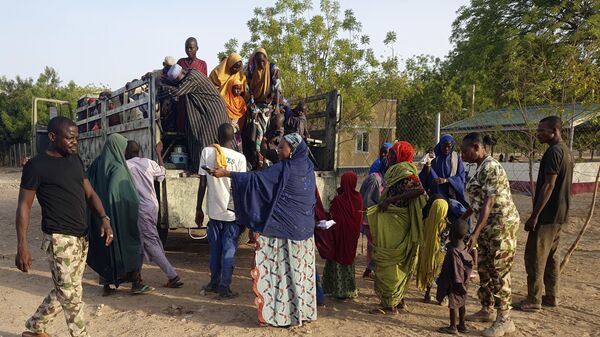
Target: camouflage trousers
<point>66,256</point>
<point>496,252</point>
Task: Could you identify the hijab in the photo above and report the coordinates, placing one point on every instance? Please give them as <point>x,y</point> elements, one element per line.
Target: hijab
<point>346,211</point>
<point>236,106</point>
<point>278,201</point>
<point>221,76</point>
<point>260,81</point>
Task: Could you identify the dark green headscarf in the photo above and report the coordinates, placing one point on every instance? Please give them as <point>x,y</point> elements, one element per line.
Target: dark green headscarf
<point>111,180</point>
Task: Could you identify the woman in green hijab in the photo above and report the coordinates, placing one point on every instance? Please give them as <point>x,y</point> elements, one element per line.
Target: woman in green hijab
<point>120,262</point>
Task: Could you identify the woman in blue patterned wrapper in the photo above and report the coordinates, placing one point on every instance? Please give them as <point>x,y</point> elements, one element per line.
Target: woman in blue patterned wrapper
<point>278,205</point>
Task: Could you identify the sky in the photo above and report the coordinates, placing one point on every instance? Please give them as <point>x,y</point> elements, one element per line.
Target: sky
<point>112,42</point>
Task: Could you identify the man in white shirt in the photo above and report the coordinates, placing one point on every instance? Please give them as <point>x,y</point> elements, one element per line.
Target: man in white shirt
<point>223,229</point>
<point>143,173</point>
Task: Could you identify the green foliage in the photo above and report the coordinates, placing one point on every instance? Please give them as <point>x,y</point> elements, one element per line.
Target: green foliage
<point>324,49</point>
<point>16,97</point>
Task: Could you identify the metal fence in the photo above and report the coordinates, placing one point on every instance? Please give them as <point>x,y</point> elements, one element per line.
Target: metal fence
<point>13,155</point>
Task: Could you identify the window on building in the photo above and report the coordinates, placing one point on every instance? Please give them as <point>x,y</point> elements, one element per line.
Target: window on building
<point>362,141</point>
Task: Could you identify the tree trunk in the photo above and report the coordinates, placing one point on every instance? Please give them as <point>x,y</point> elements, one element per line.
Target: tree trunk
<point>585,225</point>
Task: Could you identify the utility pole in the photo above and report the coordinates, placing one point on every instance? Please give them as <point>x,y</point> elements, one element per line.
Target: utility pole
<point>473,102</point>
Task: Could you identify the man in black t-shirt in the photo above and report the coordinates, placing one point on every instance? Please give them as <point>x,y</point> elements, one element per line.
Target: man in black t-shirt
<point>57,178</point>
<point>550,212</point>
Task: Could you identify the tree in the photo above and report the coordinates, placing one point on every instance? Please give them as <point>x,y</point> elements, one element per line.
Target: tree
<point>16,96</point>
<point>316,52</point>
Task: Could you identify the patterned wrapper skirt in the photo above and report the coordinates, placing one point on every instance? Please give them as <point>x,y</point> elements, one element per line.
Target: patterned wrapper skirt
<point>284,281</point>
<point>339,280</point>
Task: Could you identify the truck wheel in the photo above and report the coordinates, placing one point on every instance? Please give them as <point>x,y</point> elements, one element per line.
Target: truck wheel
<point>163,233</point>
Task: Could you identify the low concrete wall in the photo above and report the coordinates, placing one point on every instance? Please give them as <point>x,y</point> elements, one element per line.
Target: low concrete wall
<point>584,176</point>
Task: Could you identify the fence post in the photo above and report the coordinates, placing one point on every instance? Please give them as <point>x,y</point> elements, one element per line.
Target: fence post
<point>438,126</point>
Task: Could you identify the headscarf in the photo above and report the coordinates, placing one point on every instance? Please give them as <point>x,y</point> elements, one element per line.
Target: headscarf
<point>260,82</point>
<point>401,152</point>
<point>293,139</point>
<point>380,163</point>
<point>278,201</point>
<point>346,211</point>
<point>236,106</point>
<point>220,76</point>
<point>450,167</point>
<point>110,178</point>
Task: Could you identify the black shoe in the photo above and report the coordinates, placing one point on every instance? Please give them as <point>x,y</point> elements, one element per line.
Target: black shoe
<point>209,289</point>
<point>228,294</point>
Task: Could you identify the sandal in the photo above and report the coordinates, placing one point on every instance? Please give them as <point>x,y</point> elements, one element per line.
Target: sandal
<point>448,330</point>
<point>384,311</point>
<point>142,290</point>
<point>174,283</point>
<point>463,329</point>
<point>107,291</point>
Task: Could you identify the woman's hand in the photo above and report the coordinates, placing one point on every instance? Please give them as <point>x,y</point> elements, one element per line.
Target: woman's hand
<point>219,173</point>
<point>440,181</point>
<point>383,206</point>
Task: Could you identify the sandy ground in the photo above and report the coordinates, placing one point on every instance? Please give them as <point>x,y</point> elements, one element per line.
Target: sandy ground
<point>185,312</point>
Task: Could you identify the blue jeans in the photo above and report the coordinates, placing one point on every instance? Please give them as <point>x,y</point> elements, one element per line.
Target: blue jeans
<point>223,242</point>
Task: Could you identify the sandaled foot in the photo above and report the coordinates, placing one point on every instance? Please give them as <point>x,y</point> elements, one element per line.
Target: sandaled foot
<point>463,329</point>
<point>402,306</point>
<point>448,330</point>
<point>384,311</point>
<point>107,291</point>
<point>33,334</point>
<point>142,290</point>
<point>174,283</point>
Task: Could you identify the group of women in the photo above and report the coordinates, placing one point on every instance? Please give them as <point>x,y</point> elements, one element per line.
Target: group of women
<point>408,224</point>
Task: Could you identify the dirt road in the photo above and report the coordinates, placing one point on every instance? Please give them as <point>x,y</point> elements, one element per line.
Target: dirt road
<point>184,312</point>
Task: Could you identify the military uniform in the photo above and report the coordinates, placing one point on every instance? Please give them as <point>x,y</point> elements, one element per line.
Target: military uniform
<point>498,240</point>
<point>66,256</point>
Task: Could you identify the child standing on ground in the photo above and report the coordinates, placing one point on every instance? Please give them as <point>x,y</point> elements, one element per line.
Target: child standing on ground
<point>454,277</point>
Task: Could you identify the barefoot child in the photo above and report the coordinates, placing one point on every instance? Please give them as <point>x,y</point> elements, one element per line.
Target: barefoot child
<point>454,277</point>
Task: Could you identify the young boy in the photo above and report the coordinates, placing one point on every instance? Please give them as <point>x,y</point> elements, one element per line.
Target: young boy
<point>454,277</point>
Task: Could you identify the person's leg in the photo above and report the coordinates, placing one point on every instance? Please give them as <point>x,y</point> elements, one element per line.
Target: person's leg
<point>453,318</point>
<point>214,234</point>
<point>462,327</point>
<point>229,242</point>
<point>536,254</point>
<point>504,246</point>
<point>67,278</point>
<point>151,244</point>
<point>50,307</point>
<point>487,312</point>
<point>552,271</point>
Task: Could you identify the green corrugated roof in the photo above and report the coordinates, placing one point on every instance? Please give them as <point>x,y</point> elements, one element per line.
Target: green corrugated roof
<point>513,119</point>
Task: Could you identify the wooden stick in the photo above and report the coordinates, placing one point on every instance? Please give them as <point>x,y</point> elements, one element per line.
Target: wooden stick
<point>585,226</point>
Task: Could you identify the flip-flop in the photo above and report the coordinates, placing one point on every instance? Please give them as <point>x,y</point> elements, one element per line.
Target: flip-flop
<point>142,290</point>
<point>383,311</point>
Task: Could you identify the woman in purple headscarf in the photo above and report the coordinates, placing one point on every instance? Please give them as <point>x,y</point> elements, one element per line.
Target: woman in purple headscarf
<point>278,205</point>
<point>445,176</point>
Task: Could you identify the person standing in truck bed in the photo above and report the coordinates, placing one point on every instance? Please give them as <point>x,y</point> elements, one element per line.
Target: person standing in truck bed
<point>205,109</point>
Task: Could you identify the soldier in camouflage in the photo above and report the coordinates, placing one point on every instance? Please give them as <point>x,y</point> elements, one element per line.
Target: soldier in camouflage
<point>57,178</point>
<point>495,234</point>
